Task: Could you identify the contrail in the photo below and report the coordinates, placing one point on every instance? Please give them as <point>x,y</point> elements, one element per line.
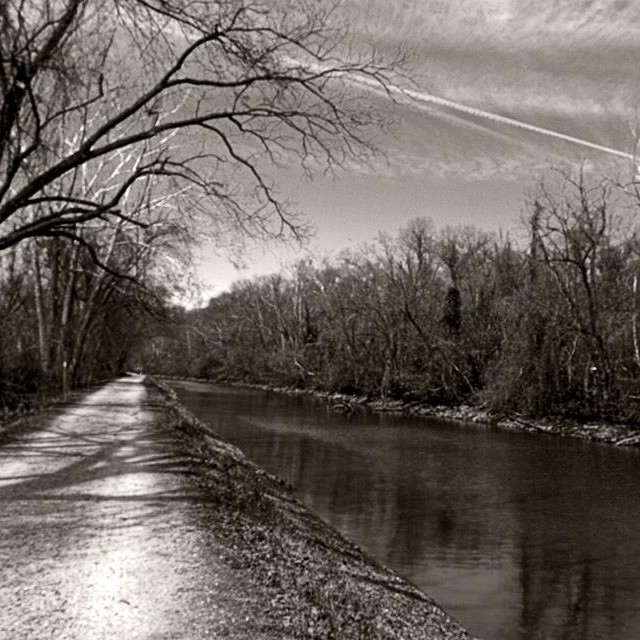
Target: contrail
<point>427,98</point>
<point>420,98</point>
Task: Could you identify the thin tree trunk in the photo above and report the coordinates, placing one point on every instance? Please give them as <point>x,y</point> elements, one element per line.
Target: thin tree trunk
<point>634,321</point>
<point>43,337</point>
<point>62,354</point>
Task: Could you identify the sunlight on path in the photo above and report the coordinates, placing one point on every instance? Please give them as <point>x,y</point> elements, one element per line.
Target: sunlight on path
<point>102,534</point>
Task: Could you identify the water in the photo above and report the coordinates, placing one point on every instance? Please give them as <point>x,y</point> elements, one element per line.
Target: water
<point>518,536</point>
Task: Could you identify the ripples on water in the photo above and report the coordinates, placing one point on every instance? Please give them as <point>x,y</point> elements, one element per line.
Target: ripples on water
<point>518,536</point>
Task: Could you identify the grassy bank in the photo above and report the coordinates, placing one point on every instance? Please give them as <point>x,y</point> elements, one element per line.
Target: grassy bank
<point>319,585</point>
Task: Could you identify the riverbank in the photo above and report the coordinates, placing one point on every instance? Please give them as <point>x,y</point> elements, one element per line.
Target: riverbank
<point>319,584</point>
<point>614,434</point>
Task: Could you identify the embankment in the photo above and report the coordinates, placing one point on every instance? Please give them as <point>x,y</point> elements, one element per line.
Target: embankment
<point>321,585</point>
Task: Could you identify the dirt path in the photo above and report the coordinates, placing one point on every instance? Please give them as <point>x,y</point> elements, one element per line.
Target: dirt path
<point>103,532</point>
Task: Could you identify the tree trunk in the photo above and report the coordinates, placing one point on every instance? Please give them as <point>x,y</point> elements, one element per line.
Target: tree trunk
<point>62,355</point>
<point>634,321</point>
<point>43,334</point>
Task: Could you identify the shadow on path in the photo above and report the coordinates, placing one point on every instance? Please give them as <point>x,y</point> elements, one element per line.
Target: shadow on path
<point>103,530</point>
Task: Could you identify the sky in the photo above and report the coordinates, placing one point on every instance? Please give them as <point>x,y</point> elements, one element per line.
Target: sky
<point>505,90</point>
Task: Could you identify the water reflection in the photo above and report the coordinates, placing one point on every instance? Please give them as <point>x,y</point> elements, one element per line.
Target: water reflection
<point>518,536</point>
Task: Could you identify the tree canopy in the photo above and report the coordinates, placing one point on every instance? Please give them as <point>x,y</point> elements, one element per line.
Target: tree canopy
<point>131,128</point>
<point>147,110</point>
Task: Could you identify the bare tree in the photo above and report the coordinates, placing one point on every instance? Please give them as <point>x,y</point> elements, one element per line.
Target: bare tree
<point>577,237</point>
<point>197,99</point>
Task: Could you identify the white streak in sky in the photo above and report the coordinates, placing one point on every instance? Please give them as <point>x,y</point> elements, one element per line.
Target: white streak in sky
<point>427,98</point>
<point>420,99</point>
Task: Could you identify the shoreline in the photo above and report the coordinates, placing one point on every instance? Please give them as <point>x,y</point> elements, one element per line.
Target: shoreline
<point>618,435</point>
<point>319,584</point>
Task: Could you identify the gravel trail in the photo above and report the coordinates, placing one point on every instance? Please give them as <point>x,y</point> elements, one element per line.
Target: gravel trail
<point>103,532</point>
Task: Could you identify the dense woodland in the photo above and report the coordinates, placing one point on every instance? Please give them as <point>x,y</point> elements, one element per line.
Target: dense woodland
<point>67,322</point>
<point>543,323</point>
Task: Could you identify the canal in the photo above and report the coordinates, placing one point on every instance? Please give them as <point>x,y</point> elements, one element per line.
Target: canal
<point>518,536</point>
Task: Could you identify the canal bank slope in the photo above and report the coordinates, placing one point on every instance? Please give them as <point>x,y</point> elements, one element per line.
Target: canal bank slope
<point>319,585</point>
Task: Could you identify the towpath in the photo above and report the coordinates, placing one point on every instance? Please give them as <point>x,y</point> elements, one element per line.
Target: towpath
<point>103,533</point>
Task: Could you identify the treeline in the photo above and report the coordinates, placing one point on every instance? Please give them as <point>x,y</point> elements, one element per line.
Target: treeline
<point>72,312</point>
<point>544,325</point>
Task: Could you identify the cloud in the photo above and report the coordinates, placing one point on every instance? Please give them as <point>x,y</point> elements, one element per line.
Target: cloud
<point>506,84</point>
<point>502,22</point>
<point>496,93</point>
<point>563,57</point>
